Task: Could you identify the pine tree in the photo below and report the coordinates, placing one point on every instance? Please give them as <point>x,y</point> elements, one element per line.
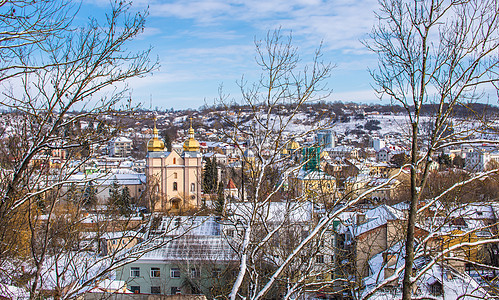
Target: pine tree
<point>90,195</point>
<point>220,203</point>
<point>114,193</point>
<point>125,201</point>
<point>167,140</point>
<point>210,176</point>
<point>214,176</point>
<point>206,176</point>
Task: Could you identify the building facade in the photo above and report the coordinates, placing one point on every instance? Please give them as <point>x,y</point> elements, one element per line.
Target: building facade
<point>174,178</point>
<point>120,147</point>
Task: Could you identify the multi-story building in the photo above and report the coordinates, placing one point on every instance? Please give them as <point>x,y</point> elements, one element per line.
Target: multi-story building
<point>193,256</point>
<point>120,147</point>
<point>326,138</point>
<point>479,160</point>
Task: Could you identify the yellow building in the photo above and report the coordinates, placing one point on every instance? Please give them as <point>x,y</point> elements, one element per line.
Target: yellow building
<point>452,240</point>
<point>174,178</point>
<point>313,185</point>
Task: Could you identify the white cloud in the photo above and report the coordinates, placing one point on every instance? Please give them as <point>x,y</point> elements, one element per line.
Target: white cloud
<point>340,23</point>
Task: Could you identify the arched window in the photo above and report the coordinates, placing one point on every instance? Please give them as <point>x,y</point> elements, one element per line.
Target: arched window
<point>175,186</point>
<point>193,187</point>
<point>174,160</point>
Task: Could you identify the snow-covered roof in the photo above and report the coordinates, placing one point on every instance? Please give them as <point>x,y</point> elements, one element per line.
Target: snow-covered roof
<point>12,292</point>
<point>122,139</point>
<point>377,217</point>
<point>158,154</point>
<point>488,210</point>
<point>273,212</point>
<point>377,264</point>
<point>110,286</point>
<point>456,285</point>
<point>188,225</point>
<point>313,175</point>
<point>108,179</point>
<point>189,238</point>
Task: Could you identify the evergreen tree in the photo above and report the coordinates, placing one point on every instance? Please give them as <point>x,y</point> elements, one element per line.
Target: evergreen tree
<point>210,176</point>
<point>89,195</point>
<point>125,201</point>
<point>207,175</point>
<point>214,176</point>
<point>119,198</point>
<point>458,161</point>
<point>114,193</point>
<point>444,160</point>
<point>220,203</point>
<point>167,140</point>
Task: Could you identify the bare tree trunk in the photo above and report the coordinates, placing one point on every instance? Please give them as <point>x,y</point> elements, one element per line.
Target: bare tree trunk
<point>411,220</point>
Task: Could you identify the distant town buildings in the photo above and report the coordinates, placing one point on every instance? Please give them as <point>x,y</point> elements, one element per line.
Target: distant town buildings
<point>326,138</point>
<point>120,147</point>
<point>481,159</point>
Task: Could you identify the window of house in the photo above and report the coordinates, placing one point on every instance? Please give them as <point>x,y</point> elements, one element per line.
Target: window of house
<point>135,289</point>
<point>175,175</point>
<point>195,273</point>
<point>175,273</point>
<point>155,290</point>
<point>319,259</point>
<point>175,186</point>
<point>134,272</point>
<point>193,187</point>
<point>216,272</point>
<point>230,232</point>
<point>174,290</point>
<point>155,272</point>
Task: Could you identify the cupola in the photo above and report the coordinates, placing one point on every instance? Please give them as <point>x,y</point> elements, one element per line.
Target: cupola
<point>191,144</point>
<point>155,144</point>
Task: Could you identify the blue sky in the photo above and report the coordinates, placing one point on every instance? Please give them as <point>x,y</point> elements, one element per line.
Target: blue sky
<point>204,44</point>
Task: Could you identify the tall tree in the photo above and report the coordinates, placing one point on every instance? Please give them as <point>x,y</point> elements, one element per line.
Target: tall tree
<point>273,104</point>
<point>168,141</point>
<point>220,201</point>
<point>56,73</point>
<point>440,53</point>
<point>210,176</point>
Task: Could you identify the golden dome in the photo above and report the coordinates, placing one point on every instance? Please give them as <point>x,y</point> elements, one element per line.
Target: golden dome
<point>155,144</point>
<point>191,144</point>
<point>293,145</point>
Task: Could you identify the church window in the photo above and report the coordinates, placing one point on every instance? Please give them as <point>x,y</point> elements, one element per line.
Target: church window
<point>175,186</point>
<point>174,160</point>
<point>175,175</point>
<point>193,187</point>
